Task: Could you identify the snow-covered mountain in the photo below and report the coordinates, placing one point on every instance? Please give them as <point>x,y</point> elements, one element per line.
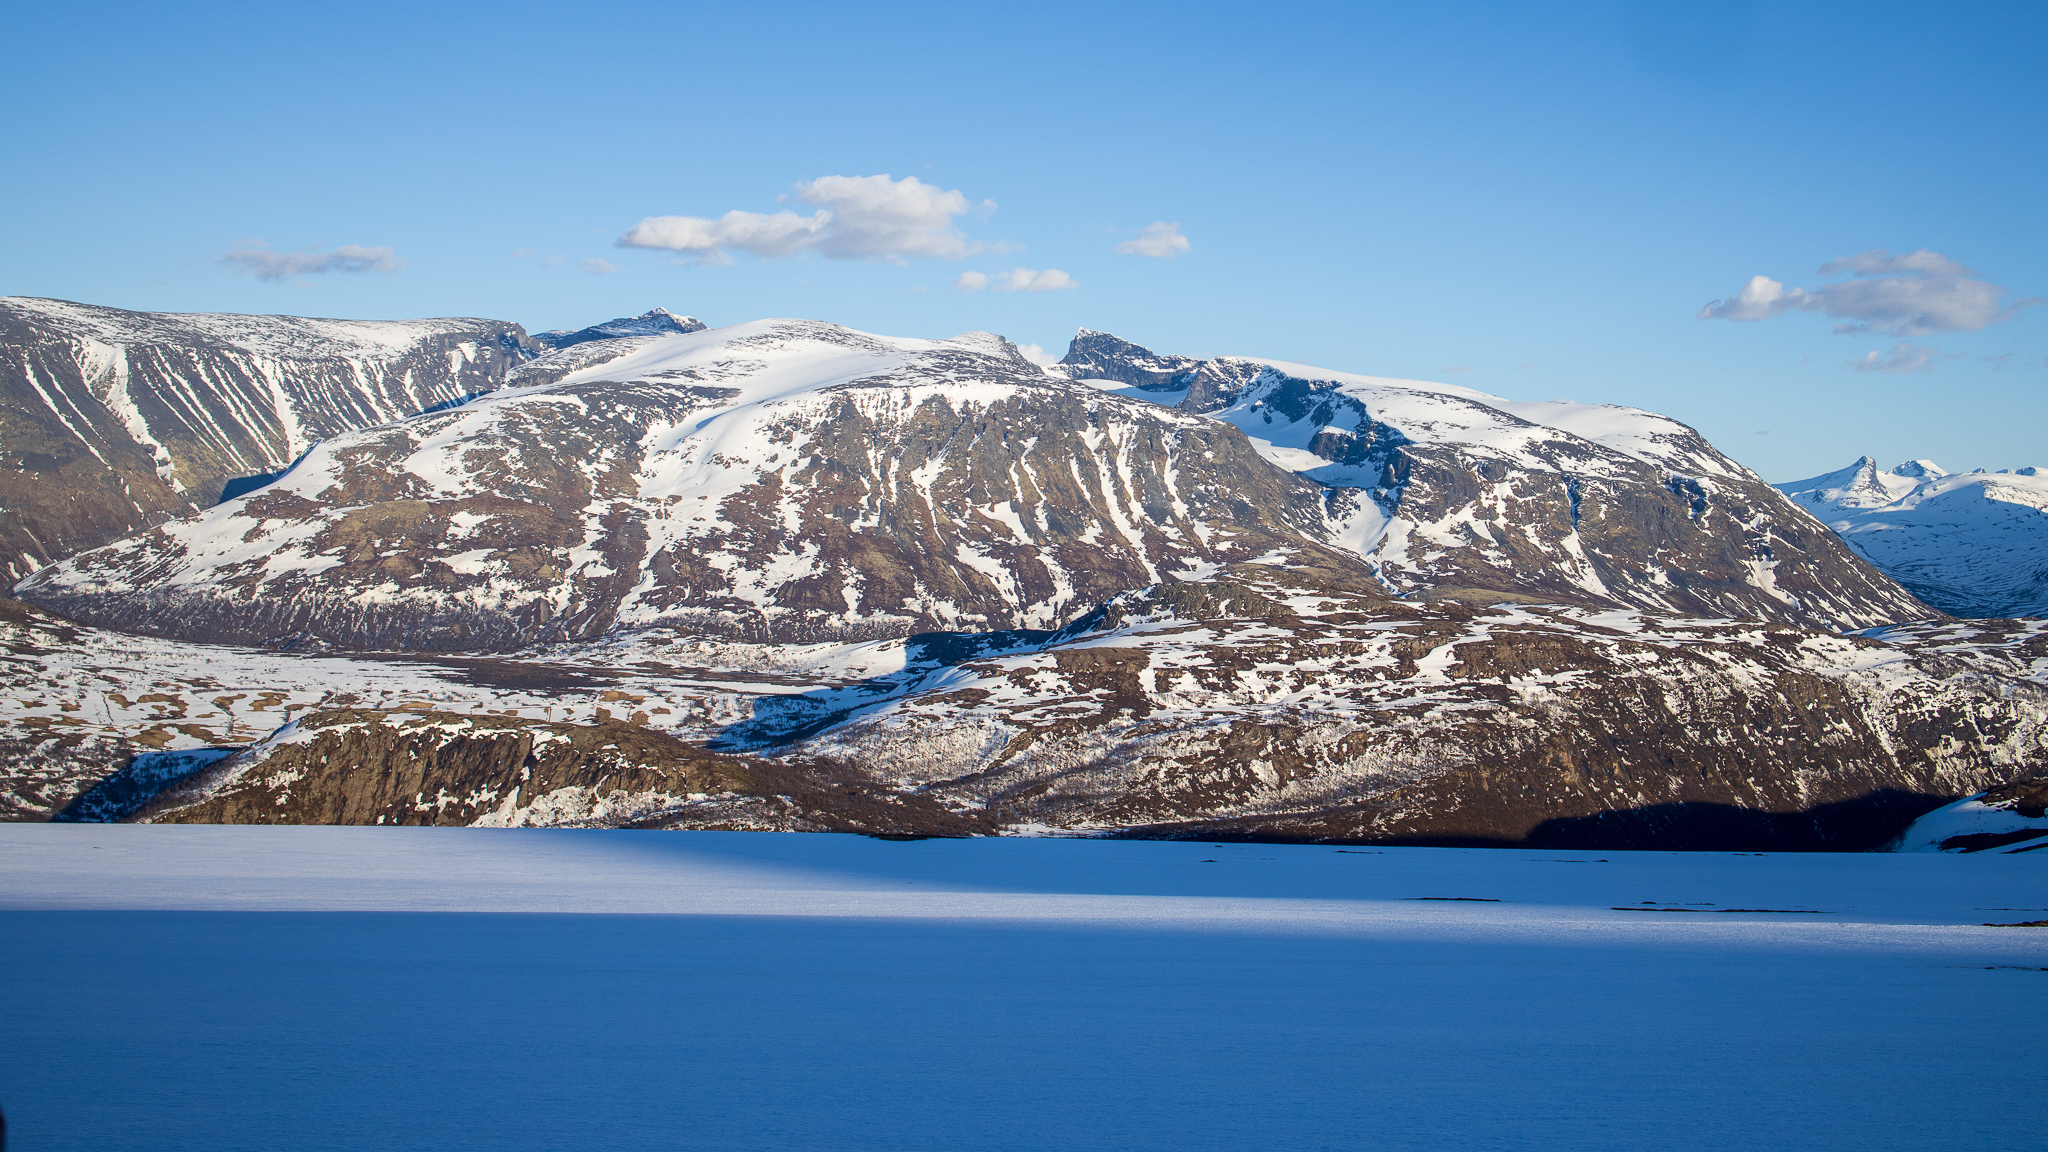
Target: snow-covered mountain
<point>792,480</point>
<point>116,420</point>
<point>779,480</point>
<point>1968,543</point>
<point>1472,495</point>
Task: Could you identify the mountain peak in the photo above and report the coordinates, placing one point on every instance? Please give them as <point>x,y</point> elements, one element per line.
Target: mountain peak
<point>1100,356</point>
<point>653,322</point>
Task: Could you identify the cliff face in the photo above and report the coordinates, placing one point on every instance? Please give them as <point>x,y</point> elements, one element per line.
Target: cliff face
<point>112,421</point>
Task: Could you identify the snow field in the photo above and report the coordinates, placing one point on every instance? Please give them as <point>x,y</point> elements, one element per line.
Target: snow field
<point>248,987</point>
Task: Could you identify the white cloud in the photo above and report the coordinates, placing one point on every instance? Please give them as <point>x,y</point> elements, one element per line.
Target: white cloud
<point>1878,262</point>
<point>597,267</point>
<point>1160,240</point>
<point>1903,357</point>
<point>971,281</point>
<point>1038,355</point>
<point>857,218</point>
<point>262,263</point>
<point>1032,280</point>
<point>1455,370</point>
<point>1929,293</point>
<point>1759,299</point>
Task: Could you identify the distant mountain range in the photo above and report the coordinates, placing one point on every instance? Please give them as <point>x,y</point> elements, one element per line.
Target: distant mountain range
<point>1968,543</point>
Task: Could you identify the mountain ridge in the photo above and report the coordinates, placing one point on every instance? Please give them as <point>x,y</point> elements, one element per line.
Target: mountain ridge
<point>1974,544</point>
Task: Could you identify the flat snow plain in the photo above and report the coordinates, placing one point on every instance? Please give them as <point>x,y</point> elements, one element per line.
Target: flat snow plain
<point>313,988</point>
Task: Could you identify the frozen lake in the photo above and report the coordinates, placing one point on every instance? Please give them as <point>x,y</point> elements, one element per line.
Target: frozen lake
<point>345,988</point>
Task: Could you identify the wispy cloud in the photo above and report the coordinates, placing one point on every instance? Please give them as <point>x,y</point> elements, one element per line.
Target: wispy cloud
<point>1016,280</point>
<point>1159,240</point>
<point>857,218</point>
<point>1878,262</point>
<point>1456,369</point>
<point>1917,294</point>
<point>597,267</point>
<point>259,261</point>
<point>1902,358</point>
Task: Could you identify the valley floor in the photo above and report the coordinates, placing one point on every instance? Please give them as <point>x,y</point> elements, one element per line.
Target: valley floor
<point>313,987</point>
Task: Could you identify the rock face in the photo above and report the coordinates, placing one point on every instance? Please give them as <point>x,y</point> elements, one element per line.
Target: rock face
<point>112,421</point>
<point>1969,543</point>
<point>1100,356</point>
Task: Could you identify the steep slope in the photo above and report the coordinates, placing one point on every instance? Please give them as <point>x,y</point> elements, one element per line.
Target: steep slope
<point>781,480</point>
<point>111,421</point>
<point>1473,496</point>
<point>1969,543</point>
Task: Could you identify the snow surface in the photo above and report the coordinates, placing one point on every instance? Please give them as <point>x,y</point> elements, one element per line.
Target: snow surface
<point>1971,816</point>
<point>1970,543</point>
<point>315,988</point>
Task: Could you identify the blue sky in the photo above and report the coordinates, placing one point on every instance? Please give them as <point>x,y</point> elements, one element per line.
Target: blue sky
<point>1538,203</point>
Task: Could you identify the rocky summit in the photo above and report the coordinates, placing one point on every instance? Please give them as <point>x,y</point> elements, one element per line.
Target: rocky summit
<point>789,575</point>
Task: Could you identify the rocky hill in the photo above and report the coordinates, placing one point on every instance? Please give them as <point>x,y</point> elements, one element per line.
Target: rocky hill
<point>1262,703</point>
<point>1968,543</point>
<point>112,421</point>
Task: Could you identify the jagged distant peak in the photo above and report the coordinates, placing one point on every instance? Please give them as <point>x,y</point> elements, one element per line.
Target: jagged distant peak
<point>653,322</point>
<point>1971,543</point>
<point>1096,355</point>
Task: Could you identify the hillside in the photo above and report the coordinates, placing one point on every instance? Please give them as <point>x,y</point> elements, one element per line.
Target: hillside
<point>112,421</point>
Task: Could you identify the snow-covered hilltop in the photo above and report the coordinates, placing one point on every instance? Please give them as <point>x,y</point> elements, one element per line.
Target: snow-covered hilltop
<point>1969,543</point>
<point>793,480</point>
<point>117,419</point>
